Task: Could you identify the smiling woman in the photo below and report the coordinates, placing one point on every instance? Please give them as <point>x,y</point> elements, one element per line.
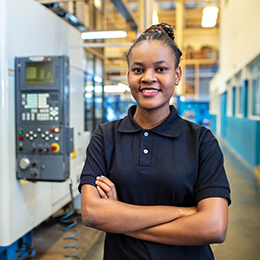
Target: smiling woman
<point>153,181</point>
<point>152,78</point>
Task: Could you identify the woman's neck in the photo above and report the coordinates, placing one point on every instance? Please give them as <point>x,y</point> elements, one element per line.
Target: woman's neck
<point>149,119</point>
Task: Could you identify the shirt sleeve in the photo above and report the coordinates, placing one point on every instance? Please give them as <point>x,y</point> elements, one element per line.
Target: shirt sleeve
<point>212,180</point>
<point>95,160</point>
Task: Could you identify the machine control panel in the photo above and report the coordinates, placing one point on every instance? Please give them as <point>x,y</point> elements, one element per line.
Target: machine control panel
<point>44,139</point>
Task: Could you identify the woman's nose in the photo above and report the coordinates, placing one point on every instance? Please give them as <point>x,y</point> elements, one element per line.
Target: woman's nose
<point>148,76</point>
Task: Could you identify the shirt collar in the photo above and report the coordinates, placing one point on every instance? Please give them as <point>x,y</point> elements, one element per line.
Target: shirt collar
<point>171,127</point>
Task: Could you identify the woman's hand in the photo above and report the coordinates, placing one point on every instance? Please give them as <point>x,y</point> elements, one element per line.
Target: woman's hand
<point>106,188</point>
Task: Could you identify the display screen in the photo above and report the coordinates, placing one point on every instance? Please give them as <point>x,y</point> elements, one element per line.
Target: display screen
<point>39,73</point>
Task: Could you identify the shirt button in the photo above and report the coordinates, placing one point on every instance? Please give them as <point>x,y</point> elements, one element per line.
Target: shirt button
<point>145,151</point>
<point>146,134</point>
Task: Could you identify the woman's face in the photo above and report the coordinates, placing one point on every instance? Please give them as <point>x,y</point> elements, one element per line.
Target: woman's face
<point>152,75</point>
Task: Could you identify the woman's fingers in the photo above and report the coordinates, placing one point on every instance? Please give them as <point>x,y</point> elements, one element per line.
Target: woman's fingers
<point>102,194</point>
<point>107,186</point>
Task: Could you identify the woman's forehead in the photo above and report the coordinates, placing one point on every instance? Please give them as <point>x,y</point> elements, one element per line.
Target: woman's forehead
<point>151,49</point>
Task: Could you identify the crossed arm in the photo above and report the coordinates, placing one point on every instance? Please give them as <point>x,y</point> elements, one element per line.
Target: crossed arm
<point>205,224</point>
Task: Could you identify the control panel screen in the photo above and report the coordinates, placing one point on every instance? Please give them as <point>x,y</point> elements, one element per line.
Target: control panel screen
<point>39,73</point>
<point>39,107</point>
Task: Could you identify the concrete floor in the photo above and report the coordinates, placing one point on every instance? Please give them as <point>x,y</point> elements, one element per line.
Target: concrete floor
<point>243,237</point>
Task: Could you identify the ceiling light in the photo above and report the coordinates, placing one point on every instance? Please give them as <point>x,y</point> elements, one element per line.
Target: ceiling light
<point>155,17</point>
<point>98,79</point>
<point>209,18</point>
<point>103,35</point>
<point>108,88</point>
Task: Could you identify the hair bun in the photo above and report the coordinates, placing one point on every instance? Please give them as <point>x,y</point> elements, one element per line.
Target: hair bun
<point>160,28</point>
<point>168,29</point>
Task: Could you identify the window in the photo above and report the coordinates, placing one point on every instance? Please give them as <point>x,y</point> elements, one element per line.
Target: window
<point>240,91</point>
<point>254,81</point>
<point>190,79</point>
<point>94,92</point>
<point>232,97</point>
<point>256,90</point>
<point>233,101</point>
<point>88,100</point>
<point>229,99</point>
<point>206,73</point>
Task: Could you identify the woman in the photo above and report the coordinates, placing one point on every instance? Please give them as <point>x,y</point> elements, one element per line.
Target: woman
<point>155,183</point>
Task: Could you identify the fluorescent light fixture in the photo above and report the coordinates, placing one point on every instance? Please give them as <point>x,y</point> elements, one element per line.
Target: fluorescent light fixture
<point>123,87</point>
<point>155,17</point>
<point>72,18</point>
<point>108,89</point>
<point>103,35</point>
<point>98,79</point>
<point>209,18</point>
<point>88,95</point>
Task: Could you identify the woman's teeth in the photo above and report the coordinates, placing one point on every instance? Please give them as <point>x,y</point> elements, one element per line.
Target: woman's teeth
<point>149,90</point>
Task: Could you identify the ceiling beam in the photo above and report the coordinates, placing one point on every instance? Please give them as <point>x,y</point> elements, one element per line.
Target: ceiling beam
<point>126,13</point>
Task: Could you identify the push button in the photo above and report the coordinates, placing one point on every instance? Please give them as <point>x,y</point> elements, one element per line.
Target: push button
<point>146,134</point>
<point>145,151</point>
<point>55,147</point>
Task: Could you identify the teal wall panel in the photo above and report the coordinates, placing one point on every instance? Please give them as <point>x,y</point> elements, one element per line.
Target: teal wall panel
<point>223,115</point>
<point>243,135</point>
<point>213,123</point>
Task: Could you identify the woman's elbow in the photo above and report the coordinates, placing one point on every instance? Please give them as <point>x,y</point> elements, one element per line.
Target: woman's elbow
<point>90,216</point>
<point>87,218</point>
<point>218,234</point>
<point>221,236</point>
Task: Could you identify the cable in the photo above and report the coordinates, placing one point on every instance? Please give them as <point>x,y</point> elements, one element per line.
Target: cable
<point>71,223</point>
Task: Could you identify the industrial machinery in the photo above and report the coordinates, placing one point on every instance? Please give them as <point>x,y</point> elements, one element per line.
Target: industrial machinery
<point>44,139</point>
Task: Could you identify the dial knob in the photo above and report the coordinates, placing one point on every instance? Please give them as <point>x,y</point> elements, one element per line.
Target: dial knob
<point>24,163</point>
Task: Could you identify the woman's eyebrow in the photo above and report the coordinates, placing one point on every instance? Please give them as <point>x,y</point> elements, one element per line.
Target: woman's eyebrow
<point>159,62</point>
<point>155,63</point>
<point>138,63</point>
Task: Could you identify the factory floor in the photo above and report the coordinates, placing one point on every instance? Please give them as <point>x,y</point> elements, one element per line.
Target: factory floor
<point>242,241</point>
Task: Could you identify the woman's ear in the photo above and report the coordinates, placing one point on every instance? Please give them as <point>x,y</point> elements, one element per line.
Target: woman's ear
<point>178,74</point>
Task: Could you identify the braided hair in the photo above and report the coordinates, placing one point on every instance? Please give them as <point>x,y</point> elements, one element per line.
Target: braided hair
<point>160,32</point>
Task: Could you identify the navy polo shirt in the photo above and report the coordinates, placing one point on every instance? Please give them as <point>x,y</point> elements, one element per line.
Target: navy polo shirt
<point>176,163</point>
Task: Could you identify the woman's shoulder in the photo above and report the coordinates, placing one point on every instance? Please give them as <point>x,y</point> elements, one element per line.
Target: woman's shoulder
<point>108,129</point>
<point>111,125</point>
<point>202,132</point>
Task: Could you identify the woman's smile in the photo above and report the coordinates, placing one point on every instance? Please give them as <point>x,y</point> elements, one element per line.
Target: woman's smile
<point>149,92</point>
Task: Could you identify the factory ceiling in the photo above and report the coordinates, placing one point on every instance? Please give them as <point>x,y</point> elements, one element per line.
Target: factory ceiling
<point>128,15</point>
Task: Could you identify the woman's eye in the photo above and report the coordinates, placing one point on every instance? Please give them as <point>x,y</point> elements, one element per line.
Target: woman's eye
<point>138,70</point>
<point>161,69</point>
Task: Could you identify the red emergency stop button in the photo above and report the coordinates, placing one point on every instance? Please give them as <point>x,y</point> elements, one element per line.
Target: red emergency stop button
<point>55,147</point>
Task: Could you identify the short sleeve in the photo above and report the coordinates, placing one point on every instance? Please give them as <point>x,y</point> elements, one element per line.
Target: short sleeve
<point>212,180</point>
<point>95,160</point>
